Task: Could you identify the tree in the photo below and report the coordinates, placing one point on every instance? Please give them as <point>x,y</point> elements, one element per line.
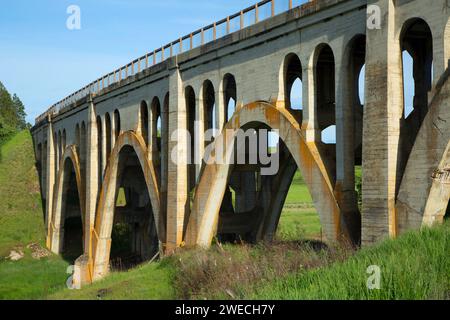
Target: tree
<point>20,112</point>
<point>12,114</point>
<point>7,110</point>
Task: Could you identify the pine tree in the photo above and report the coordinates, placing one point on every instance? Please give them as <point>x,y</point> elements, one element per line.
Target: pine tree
<point>7,111</point>
<point>20,112</point>
<point>12,114</point>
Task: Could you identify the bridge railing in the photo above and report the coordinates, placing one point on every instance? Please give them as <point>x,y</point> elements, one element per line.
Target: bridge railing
<point>238,21</point>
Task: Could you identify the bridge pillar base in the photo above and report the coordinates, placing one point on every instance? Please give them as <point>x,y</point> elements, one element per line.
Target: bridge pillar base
<point>82,275</point>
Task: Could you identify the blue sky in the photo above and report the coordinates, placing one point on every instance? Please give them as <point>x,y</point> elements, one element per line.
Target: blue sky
<point>42,61</point>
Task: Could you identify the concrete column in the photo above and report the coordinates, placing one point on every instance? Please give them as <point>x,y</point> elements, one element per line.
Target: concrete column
<point>309,125</point>
<point>345,155</point>
<point>50,180</point>
<point>199,133</point>
<point>91,173</point>
<point>164,162</point>
<point>177,162</point>
<point>152,135</point>
<point>57,152</point>
<point>103,151</point>
<point>43,164</point>
<point>113,130</point>
<point>220,110</point>
<point>383,110</point>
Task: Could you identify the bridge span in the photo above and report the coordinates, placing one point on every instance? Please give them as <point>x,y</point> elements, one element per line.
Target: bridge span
<point>105,154</point>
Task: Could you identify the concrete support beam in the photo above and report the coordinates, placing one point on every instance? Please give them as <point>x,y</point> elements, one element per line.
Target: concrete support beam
<point>103,150</point>
<point>92,189</point>
<point>199,133</point>
<point>383,110</point>
<point>178,206</point>
<point>113,130</point>
<point>345,148</point>
<point>309,125</point>
<point>220,110</point>
<point>50,179</point>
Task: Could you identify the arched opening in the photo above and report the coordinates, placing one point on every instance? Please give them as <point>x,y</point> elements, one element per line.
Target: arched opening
<point>230,95</point>
<point>326,105</point>
<point>143,122</point>
<point>99,151</point>
<point>134,236</point>
<point>190,125</point>
<point>209,107</point>
<point>216,178</point>
<point>362,85</point>
<point>293,82</point>
<point>71,214</point>
<point>162,125</point>
<point>357,57</point>
<point>258,206</point>
<point>156,134</point>
<point>108,135</point>
<point>416,43</point>
<point>117,127</point>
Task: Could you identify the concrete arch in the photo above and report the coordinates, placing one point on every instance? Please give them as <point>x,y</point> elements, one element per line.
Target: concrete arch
<point>428,167</point>
<point>101,237</point>
<point>56,233</point>
<point>210,190</point>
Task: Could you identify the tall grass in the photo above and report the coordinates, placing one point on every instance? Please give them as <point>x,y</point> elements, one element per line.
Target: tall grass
<point>228,271</point>
<point>415,266</point>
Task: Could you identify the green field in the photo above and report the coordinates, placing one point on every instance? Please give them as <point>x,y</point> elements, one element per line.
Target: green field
<point>415,266</point>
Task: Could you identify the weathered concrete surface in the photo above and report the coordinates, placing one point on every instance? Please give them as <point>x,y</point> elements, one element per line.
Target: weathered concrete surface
<point>425,189</point>
<point>210,190</point>
<point>324,43</point>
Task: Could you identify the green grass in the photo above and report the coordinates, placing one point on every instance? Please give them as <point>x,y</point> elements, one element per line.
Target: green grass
<point>299,218</point>
<point>414,266</point>
<point>21,223</point>
<point>32,279</point>
<point>146,282</point>
<point>299,223</point>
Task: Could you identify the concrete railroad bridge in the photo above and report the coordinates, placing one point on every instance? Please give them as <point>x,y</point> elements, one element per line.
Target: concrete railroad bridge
<point>112,137</point>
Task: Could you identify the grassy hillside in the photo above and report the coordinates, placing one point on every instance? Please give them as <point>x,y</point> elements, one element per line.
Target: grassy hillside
<point>22,227</point>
